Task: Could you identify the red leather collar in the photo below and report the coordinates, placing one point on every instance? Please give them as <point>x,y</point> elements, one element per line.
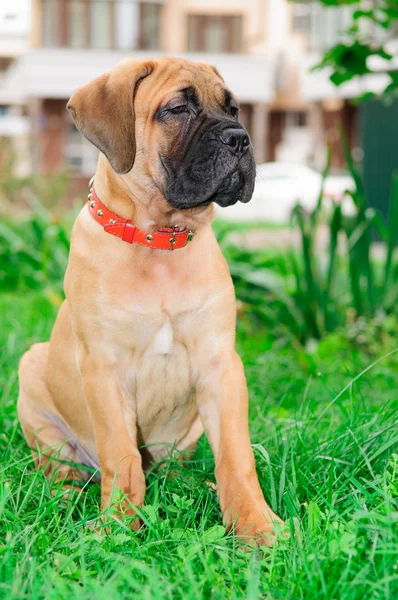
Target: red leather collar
<point>168,238</point>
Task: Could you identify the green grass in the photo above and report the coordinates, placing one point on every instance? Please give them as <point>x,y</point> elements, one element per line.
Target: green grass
<point>325,459</point>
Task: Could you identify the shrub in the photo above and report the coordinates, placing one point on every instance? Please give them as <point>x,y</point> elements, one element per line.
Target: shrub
<point>312,295</point>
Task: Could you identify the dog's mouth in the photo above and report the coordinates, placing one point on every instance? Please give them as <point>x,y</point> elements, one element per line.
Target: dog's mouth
<point>231,189</point>
<point>214,172</point>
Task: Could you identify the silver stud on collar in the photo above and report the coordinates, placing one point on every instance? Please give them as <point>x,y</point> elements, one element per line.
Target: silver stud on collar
<point>99,213</point>
<point>92,204</point>
<point>113,221</point>
<point>149,237</point>
<point>90,183</point>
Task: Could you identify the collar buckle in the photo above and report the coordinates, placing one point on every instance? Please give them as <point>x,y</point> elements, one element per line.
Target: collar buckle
<point>173,240</point>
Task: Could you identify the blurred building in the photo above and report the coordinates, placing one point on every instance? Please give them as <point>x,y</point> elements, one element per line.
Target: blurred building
<point>72,41</point>
<point>263,48</point>
<point>371,127</point>
<point>15,31</point>
<point>75,40</point>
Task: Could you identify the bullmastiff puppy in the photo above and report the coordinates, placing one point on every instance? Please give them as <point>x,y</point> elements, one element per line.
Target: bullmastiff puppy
<point>142,356</point>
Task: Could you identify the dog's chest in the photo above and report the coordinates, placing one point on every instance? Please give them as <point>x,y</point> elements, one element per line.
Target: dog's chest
<point>154,332</point>
<point>158,379</point>
<point>163,339</point>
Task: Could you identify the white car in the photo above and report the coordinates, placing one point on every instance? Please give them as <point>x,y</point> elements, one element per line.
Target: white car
<point>279,186</point>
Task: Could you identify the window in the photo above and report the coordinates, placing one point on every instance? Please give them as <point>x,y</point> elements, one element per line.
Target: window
<point>301,18</point>
<point>101,24</point>
<point>50,23</point>
<point>327,25</point>
<point>207,33</point>
<point>81,155</point>
<point>321,25</point>
<point>101,15</point>
<point>126,25</point>
<point>150,26</point>
<point>76,30</point>
<point>296,118</point>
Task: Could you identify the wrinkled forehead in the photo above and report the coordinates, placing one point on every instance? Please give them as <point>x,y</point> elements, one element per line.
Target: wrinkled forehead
<point>172,78</point>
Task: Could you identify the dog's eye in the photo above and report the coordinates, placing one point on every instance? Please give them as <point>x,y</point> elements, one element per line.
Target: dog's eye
<point>177,110</point>
<point>234,111</point>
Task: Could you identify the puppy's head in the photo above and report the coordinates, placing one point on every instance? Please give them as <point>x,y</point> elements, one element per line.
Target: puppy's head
<point>173,121</point>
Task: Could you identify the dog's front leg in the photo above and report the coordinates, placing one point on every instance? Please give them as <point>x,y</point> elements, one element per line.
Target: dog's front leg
<point>223,406</point>
<point>116,442</point>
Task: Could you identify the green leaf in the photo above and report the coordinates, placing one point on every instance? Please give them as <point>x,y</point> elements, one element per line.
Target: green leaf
<point>358,14</point>
<point>314,518</point>
<point>365,97</point>
<point>215,533</point>
<point>347,543</point>
<point>382,52</point>
<point>65,564</point>
<point>119,539</point>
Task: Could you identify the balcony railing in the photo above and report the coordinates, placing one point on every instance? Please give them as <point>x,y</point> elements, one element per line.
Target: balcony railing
<point>55,73</point>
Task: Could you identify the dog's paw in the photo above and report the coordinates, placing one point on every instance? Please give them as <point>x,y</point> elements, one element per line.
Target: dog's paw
<point>261,527</point>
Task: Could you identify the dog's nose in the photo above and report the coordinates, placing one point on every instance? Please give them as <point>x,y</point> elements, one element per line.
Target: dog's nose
<point>236,139</point>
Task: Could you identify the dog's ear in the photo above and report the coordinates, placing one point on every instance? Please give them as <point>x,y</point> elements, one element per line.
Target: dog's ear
<point>103,110</point>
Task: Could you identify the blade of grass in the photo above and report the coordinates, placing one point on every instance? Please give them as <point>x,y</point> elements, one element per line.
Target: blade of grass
<point>334,229</point>
<point>360,197</point>
<point>312,291</point>
<point>325,173</point>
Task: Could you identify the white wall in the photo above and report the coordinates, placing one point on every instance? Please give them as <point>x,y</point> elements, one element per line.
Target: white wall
<point>15,17</point>
<point>55,73</point>
<point>15,25</point>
